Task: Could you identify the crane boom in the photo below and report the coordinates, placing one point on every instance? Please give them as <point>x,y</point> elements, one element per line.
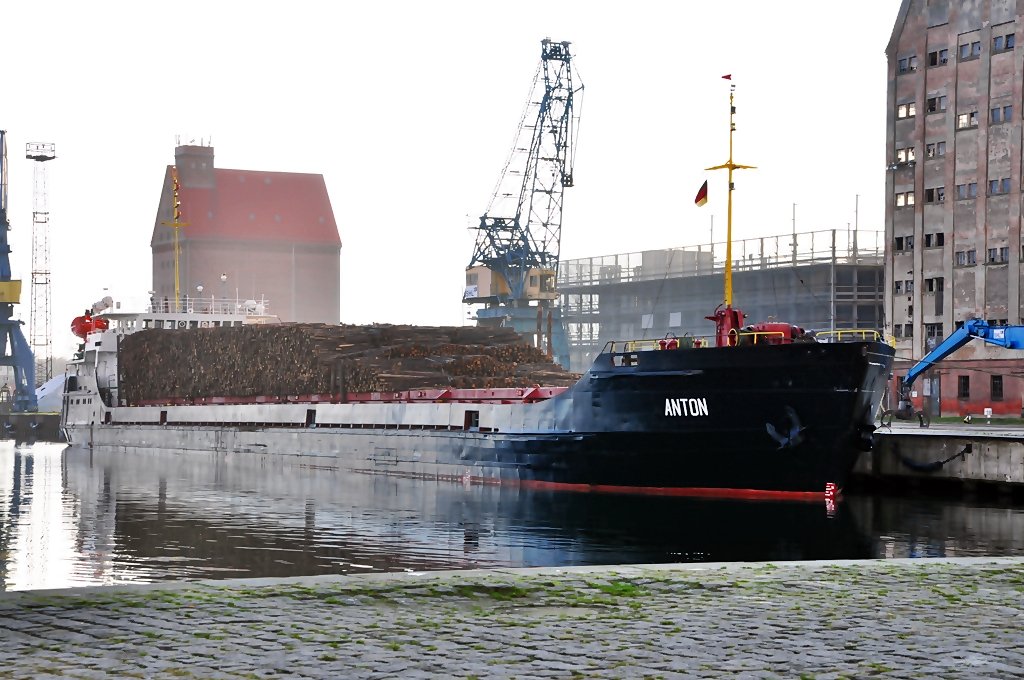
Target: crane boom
<point>1009,337</point>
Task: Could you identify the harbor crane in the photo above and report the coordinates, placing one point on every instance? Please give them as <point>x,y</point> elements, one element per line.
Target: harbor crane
<point>514,267</point>
<point>14,349</point>
<point>1010,337</point>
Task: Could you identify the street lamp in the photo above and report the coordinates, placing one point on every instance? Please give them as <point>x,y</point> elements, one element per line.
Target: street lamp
<point>223,291</point>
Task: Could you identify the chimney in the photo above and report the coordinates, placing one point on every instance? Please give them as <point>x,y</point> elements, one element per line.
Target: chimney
<point>195,166</point>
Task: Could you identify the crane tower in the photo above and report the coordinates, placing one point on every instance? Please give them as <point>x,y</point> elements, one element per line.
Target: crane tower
<point>40,336</point>
<point>14,351</point>
<point>515,260</point>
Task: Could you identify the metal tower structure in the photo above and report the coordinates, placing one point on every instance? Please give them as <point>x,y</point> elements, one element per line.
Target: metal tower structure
<point>14,350</point>
<point>40,333</point>
<point>515,260</point>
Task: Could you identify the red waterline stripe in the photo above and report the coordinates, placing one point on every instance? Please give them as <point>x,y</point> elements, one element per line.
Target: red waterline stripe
<point>695,492</point>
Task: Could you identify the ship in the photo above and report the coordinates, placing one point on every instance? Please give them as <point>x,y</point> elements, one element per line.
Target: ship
<point>761,410</point>
<point>769,411</point>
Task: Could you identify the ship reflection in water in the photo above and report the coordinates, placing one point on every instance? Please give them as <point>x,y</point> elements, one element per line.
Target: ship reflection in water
<point>73,517</point>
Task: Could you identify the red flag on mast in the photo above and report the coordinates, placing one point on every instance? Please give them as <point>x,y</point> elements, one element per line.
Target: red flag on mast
<point>727,77</point>
<point>702,195</point>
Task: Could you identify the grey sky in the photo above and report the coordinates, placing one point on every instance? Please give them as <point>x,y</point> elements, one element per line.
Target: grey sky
<point>408,109</point>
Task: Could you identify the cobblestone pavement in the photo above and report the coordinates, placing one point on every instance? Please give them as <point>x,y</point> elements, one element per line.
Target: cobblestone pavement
<point>900,618</point>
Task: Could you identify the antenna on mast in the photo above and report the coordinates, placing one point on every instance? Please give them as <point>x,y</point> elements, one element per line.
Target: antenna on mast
<point>176,224</point>
<point>728,321</point>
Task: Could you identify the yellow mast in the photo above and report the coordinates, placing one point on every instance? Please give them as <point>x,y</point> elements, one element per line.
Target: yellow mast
<point>176,224</point>
<point>730,166</point>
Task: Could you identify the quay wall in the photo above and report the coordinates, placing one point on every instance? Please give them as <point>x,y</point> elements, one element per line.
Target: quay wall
<point>968,454</point>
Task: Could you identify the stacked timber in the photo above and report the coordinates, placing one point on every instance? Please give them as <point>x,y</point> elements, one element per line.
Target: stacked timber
<point>295,359</point>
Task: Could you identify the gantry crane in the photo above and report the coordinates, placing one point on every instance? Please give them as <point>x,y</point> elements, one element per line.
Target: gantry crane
<point>14,349</point>
<point>515,261</point>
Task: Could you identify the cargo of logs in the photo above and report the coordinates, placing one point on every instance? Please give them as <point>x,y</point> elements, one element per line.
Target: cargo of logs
<point>295,359</point>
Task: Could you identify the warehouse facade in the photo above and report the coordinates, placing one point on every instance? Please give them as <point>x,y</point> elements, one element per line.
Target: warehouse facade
<point>263,238</point>
<point>953,186</point>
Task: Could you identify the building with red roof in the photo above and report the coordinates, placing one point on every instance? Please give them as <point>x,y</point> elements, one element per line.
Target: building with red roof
<point>248,235</point>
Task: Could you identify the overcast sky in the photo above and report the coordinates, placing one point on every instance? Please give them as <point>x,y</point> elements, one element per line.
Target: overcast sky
<point>408,109</point>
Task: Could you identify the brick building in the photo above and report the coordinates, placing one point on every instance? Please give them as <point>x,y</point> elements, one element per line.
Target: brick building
<point>953,182</point>
<point>250,235</point>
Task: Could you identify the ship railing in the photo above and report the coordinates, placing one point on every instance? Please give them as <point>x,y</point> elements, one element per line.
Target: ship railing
<point>850,335</point>
<point>741,338</point>
<point>209,305</point>
<point>646,345</point>
<point>754,337</point>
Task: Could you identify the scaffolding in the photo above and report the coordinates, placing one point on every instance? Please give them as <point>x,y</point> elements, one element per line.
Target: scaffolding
<point>40,335</point>
<point>821,280</point>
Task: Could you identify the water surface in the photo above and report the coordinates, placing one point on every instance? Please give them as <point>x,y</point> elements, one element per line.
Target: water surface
<point>72,517</point>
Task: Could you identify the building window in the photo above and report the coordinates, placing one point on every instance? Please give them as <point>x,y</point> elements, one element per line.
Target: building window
<point>965,191</point>
<point>908,110</point>
<point>905,155</point>
<point>1001,43</point>
<point>934,240</point>
<point>963,387</point>
<point>998,255</point>
<point>909,242</point>
<point>996,387</point>
<point>935,285</point>
<point>897,330</point>
<point>970,50</point>
<point>1001,114</point>
<point>999,186</point>
<point>899,243</point>
<point>965,257</point>
<point>935,149</point>
<point>933,331</point>
<point>904,198</point>
<point>898,288</point>
<point>936,104</point>
<point>907,64</point>
<point>908,329</point>
<point>938,57</point>
<point>935,195</point>
<point>908,286</point>
<point>965,121</point>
